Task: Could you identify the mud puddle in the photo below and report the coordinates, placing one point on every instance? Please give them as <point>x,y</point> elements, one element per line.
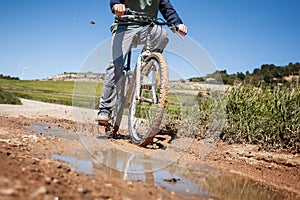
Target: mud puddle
<point>52,130</point>
<point>100,157</point>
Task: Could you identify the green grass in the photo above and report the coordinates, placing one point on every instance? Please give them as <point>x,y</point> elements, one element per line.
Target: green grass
<point>269,117</point>
<point>8,98</point>
<point>61,92</point>
<point>266,116</point>
<point>83,94</point>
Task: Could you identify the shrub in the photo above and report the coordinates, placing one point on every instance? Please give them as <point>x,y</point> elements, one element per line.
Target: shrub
<point>269,117</point>
<point>8,98</point>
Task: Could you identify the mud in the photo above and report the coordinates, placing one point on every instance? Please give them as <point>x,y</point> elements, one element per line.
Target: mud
<point>44,156</point>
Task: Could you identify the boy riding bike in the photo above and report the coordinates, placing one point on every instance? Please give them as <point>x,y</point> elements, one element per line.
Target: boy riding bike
<point>128,34</point>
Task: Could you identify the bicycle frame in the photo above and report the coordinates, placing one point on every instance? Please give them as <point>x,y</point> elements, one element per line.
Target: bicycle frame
<point>141,88</point>
<point>139,65</point>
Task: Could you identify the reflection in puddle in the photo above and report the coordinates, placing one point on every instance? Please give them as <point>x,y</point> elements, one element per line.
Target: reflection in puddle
<point>134,170</point>
<point>199,180</point>
<point>83,166</point>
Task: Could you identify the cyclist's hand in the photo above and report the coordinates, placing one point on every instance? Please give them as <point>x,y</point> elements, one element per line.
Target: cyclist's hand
<point>182,29</point>
<point>119,9</point>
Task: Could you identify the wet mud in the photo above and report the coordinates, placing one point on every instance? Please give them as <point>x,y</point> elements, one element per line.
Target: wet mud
<point>198,179</point>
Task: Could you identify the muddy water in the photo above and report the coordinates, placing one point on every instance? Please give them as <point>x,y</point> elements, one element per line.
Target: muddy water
<point>200,180</point>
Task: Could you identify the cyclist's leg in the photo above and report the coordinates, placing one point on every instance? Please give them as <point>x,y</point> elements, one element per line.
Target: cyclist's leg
<point>107,99</point>
<point>159,37</point>
<point>121,42</point>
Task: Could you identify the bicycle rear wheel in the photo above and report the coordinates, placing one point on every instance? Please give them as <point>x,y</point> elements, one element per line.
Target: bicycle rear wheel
<point>147,108</point>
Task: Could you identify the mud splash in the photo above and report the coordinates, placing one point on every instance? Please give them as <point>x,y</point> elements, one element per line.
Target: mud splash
<point>200,180</point>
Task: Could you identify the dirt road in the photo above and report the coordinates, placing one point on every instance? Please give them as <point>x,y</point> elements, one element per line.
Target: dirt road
<point>36,137</point>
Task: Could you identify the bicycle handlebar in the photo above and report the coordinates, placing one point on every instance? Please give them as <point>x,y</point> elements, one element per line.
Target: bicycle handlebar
<point>132,15</point>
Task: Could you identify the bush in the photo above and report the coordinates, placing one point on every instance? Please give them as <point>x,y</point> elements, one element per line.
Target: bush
<point>269,117</point>
<point>195,119</point>
<point>8,98</point>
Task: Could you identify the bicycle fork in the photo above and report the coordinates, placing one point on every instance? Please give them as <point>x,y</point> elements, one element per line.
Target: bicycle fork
<point>145,83</point>
<point>139,76</point>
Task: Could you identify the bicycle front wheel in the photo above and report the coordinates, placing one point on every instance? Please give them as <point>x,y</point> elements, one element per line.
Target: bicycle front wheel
<point>147,103</point>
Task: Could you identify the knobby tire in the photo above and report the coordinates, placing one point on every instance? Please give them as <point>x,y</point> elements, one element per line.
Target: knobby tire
<point>161,103</point>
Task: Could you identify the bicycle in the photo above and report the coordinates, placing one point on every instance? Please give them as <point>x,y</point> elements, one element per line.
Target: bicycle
<point>144,91</point>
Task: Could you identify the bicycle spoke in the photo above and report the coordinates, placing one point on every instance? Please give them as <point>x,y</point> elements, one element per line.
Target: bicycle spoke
<point>147,110</point>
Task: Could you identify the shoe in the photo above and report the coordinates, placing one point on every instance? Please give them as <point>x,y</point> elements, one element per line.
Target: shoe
<point>103,117</point>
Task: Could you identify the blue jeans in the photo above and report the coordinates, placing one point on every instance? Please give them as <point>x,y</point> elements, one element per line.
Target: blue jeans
<point>122,41</point>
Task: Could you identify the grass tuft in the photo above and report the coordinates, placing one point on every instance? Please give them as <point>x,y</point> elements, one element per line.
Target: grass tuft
<point>8,98</point>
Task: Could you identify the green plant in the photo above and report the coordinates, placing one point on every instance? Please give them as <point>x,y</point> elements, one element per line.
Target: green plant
<point>82,94</point>
<point>8,98</point>
<point>265,116</point>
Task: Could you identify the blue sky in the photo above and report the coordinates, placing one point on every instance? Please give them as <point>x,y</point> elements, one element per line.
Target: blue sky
<point>49,37</point>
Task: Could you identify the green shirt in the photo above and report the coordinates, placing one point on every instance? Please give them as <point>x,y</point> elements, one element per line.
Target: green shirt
<point>149,7</point>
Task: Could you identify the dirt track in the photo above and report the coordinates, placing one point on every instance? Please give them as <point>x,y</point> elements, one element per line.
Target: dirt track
<point>27,170</point>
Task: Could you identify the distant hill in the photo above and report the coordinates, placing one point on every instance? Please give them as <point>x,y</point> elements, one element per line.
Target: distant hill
<point>78,76</point>
<point>267,73</point>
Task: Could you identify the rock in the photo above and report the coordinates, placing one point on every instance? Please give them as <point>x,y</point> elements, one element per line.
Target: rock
<point>47,179</point>
<point>8,141</point>
<point>108,185</point>
<point>126,198</point>
<point>56,181</point>
<point>31,138</point>
<point>39,191</point>
<point>8,192</point>
<point>172,180</point>
<point>3,181</point>
<point>82,190</point>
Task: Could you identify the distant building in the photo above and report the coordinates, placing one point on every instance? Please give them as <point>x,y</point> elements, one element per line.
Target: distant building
<point>78,76</point>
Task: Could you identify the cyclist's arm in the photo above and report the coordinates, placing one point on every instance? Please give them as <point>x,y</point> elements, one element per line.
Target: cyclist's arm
<point>169,13</point>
